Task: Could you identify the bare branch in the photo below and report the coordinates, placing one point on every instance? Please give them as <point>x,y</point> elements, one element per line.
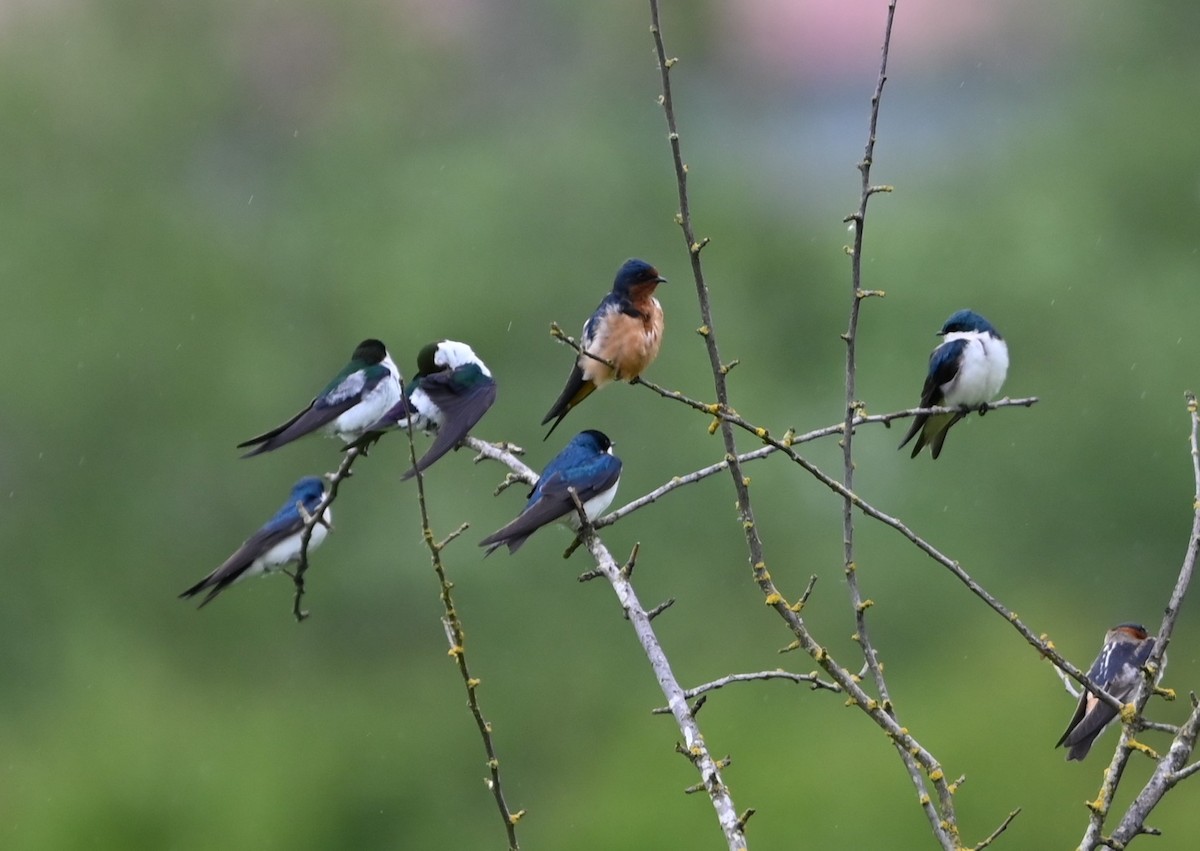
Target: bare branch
<point>456,636</point>
<point>778,674</point>
<point>1170,769</point>
<point>618,577</point>
<point>335,478</point>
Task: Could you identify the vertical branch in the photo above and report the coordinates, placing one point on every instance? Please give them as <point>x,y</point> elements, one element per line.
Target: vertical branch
<point>1168,772</point>
<point>859,218</point>
<point>684,218</point>
<point>948,823</point>
<point>336,478</point>
<point>942,824</point>
<point>455,635</point>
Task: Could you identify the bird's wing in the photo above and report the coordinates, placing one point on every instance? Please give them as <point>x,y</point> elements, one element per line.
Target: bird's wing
<point>461,409</point>
<point>1080,710</point>
<point>341,395</point>
<point>943,366</point>
<point>578,388</point>
<point>1096,716</point>
<point>234,566</point>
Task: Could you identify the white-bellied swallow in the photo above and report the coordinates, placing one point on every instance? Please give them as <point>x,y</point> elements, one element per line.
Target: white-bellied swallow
<point>966,371</point>
<point>356,397</point>
<point>586,465</point>
<point>275,545</point>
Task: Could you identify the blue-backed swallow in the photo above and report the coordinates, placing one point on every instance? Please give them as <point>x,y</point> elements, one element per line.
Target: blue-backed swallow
<point>1126,648</point>
<point>273,546</point>
<point>625,330</point>
<point>966,371</point>
<point>587,465</point>
<point>450,393</point>
<point>356,397</point>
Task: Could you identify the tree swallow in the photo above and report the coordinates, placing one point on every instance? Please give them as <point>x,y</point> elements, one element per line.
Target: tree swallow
<point>625,330</point>
<point>273,546</point>
<point>1126,648</point>
<point>967,371</point>
<point>451,392</point>
<point>355,398</point>
<point>587,465</point>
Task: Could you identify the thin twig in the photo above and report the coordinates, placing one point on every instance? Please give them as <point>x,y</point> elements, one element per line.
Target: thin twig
<point>335,478</point>
<point>812,679</point>
<point>456,637</point>
<point>858,605</point>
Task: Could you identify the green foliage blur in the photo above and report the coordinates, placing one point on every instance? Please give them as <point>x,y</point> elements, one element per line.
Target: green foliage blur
<point>207,205</point>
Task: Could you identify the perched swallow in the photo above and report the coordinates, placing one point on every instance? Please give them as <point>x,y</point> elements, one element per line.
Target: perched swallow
<point>276,544</point>
<point>450,393</point>
<point>1126,648</point>
<point>625,330</point>
<point>587,465</point>
<point>356,397</point>
<point>966,371</point>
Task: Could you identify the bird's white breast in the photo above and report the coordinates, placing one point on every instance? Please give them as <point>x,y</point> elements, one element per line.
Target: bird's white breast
<point>595,506</point>
<point>982,371</point>
<point>288,550</point>
<point>377,402</point>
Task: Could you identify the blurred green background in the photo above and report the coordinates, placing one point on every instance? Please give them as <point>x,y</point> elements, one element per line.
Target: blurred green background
<point>207,205</point>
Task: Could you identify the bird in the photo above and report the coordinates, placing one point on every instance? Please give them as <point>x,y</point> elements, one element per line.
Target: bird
<point>1127,647</point>
<point>275,545</point>
<point>966,371</point>
<point>625,330</point>
<point>450,393</point>
<point>586,464</point>
<point>356,397</point>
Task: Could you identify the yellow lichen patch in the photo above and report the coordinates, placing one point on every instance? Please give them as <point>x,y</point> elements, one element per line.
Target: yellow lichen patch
<point>455,651</point>
<point>774,599</point>
<point>745,481</point>
<point>1146,749</point>
<point>1128,713</point>
<point>516,817</point>
<point>713,426</point>
<point>473,682</point>
<point>936,775</point>
<point>760,432</point>
<point>865,604</point>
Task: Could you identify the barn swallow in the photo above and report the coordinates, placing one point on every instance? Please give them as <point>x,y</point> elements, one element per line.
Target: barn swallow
<point>1126,648</point>
<point>450,393</point>
<point>588,465</point>
<point>273,546</point>
<point>966,371</point>
<point>356,397</point>
<point>625,330</point>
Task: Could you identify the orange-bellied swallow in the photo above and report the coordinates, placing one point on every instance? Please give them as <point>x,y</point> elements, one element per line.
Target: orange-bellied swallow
<point>625,331</point>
